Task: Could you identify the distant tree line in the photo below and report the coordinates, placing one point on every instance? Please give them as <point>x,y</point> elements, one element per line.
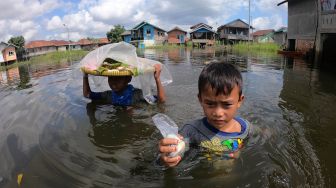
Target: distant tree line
<point>114,35</point>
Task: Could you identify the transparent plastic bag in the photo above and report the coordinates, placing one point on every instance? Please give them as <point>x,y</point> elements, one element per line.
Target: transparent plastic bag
<point>169,129</point>
<point>126,53</point>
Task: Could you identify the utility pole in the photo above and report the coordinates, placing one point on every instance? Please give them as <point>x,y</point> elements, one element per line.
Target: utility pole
<point>68,35</point>
<point>249,34</point>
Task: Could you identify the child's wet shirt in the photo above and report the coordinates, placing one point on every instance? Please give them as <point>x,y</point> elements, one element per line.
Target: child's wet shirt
<point>215,142</point>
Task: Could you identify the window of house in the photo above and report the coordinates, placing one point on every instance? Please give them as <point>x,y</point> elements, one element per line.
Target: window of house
<point>159,33</point>
<point>178,36</point>
<point>10,53</point>
<point>148,31</point>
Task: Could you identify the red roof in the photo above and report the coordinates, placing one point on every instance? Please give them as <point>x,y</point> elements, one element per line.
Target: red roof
<point>104,41</point>
<point>44,43</point>
<point>262,32</point>
<point>176,28</point>
<point>92,41</point>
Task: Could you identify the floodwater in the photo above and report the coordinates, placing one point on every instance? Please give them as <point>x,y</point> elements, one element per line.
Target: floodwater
<point>54,137</point>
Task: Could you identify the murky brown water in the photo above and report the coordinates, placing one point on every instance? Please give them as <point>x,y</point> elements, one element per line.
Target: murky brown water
<point>56,138</point>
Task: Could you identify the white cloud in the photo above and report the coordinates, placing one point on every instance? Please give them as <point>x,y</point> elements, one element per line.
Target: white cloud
<point>270,6</point>
<point>20,26</point>
<point>80,24</point>
<point>54,23</point>
<point>106,10</point>
<point>26,10</point>
<point>10,28</point>
<point>29,34</point>
<point>273,22</point>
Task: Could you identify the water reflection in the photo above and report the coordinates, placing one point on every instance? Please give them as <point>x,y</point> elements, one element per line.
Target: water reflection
<point>57,138</point>
<point>20,76</point>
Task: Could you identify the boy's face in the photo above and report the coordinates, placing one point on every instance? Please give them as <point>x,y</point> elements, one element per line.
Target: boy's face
<point>220,109</point>
<point>118,83</point>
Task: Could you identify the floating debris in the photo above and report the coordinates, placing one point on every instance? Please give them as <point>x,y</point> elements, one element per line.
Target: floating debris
<point>19,179</point>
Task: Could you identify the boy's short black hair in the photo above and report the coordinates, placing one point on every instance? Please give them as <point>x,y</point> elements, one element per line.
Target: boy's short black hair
<point>222,77</point>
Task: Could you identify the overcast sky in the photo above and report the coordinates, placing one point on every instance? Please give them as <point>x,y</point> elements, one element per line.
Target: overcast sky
<point>45,19</point>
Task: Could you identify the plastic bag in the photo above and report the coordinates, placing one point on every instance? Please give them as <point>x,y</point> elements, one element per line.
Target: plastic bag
<point>169,129</point>
<point>126,53</point>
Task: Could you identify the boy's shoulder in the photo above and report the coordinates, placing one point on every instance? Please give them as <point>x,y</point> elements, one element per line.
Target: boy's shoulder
<point>192,126</point>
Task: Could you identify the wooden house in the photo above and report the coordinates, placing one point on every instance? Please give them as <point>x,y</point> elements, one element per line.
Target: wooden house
<point>177,36</point>
<point>234,32</point>
<point>312,28</point>
<point>126,36</point>
<point>263,36</point>
<point>8,53</point>
<point>202,34</point>
<point>146,34</point>
<point>280,36</point>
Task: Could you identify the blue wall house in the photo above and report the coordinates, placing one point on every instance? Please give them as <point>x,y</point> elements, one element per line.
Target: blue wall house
<point>202,34</point>
<point>126,36</point>
<point>146,34</point>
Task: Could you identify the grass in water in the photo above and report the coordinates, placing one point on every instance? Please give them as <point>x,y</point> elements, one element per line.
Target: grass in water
<point>51,58</point>
<point>258,47</point>
<point>170,46</point>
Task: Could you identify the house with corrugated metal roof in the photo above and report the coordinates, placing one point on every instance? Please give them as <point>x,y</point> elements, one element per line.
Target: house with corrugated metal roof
<point>263,36</point>
<point>39,47</point>
<point>202,35</point>
<point>234,31</point>
<point>8,53</point>
<point>145,34</point>
<point>126,36</point>
<point>177,36</point>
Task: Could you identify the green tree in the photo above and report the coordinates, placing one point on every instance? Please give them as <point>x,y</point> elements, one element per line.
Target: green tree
<point>19,43</point>
<point>114,35</point>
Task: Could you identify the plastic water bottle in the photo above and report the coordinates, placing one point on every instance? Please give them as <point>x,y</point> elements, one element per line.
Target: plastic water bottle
<point>169,129</point>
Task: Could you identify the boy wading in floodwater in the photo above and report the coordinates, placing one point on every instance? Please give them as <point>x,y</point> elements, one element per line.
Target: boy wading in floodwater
<point>122,93</point>
<point>219,132</point>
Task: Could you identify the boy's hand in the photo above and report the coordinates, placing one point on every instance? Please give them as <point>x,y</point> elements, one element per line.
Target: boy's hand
<point>167,145</point>
<point>157,71</point>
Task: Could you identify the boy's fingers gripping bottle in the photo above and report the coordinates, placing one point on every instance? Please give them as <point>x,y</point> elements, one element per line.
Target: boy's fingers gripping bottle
<point>169,129</point>
<point>180,147</point>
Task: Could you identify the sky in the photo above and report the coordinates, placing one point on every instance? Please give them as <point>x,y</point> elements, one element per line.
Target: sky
<point>56,19</point>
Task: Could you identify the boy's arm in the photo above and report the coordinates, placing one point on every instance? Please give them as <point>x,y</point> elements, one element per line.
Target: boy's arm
<point>86,86</point>
<point>160,90</point>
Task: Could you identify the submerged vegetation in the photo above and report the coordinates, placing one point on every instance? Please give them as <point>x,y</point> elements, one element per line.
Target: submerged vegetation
<point>256,47</point>
<point>169,46</point>
<point>270,48</point>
